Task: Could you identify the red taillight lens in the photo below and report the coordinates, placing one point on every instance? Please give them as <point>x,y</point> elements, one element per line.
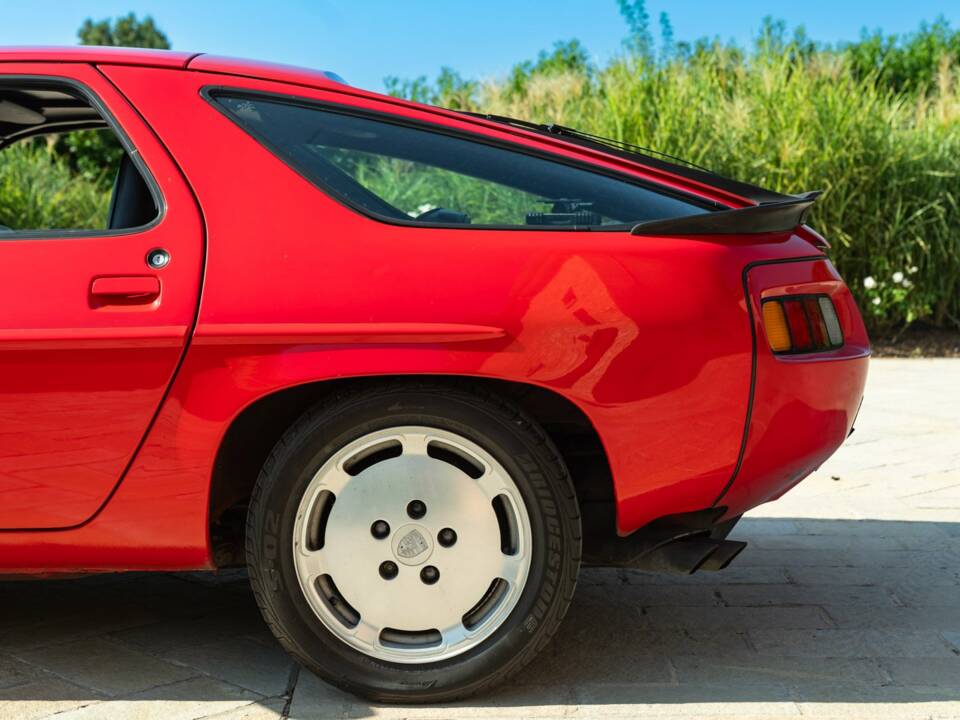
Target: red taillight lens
<point>818,327</point>
<point>801,324</point>
<point>799,328</point>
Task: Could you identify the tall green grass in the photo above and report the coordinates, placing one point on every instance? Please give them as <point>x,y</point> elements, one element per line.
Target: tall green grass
<point>887,159</point>
<point>39,190</point>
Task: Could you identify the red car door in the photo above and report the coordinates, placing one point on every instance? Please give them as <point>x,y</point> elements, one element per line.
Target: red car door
<point>92,325</point>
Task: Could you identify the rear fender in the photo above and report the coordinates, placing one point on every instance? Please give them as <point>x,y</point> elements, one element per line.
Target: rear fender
<point>802,407</point>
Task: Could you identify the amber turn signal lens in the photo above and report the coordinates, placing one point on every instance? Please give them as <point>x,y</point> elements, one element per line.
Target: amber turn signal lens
<point>775,324</point>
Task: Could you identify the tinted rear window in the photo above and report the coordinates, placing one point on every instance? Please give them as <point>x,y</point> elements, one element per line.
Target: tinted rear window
<point>398,172</point>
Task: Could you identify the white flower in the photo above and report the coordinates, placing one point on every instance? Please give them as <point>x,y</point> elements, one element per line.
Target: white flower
<point>869,283</point>
<point>907,283</point>
<point>898,277</point>
<point>876,301</point>
<point>913,269</point>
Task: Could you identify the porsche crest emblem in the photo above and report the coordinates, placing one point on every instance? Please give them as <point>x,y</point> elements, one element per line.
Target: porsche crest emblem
<point>411,544</point>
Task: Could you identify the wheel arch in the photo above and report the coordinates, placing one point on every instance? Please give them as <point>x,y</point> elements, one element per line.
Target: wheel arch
<point>253,433</point>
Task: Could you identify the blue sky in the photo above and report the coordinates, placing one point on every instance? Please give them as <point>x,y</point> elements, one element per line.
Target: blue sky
<point>365,40</point>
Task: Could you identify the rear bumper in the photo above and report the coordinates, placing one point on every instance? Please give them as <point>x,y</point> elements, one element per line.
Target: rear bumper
<point>803,406</point>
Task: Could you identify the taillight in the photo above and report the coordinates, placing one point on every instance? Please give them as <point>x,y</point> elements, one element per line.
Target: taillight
<point>776,324</point>
<point>801,324</point>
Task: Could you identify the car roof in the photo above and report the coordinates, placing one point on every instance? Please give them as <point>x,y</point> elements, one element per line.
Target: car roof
<point>264,70</point>
<point>97,54</point>
<point>181,60</point>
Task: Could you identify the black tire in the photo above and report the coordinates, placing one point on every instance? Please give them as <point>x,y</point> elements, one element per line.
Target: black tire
<point>495,424</point>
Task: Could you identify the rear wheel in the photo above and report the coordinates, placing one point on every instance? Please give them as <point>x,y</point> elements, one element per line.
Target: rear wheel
<point>414,543</point>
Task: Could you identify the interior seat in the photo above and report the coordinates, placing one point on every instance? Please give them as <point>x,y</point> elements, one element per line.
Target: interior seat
<point>132,204</point>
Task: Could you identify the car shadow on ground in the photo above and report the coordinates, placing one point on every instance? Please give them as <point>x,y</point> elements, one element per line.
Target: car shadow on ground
<point>813,612</point>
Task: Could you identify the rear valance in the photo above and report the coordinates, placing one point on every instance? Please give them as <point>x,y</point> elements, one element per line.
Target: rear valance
<point>778,216</point>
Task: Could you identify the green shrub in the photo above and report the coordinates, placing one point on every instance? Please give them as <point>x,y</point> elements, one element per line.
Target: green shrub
<point>38,190</point>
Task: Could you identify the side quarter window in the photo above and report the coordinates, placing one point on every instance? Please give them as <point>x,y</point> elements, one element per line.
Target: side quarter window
<point>400,173</point>
<point>63,168</point>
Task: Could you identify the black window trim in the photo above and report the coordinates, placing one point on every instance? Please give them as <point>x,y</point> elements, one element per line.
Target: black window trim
<point>59,82</point>
<point>210,93</point>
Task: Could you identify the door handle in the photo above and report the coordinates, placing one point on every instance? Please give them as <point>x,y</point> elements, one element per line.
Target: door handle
<point>142,288</point>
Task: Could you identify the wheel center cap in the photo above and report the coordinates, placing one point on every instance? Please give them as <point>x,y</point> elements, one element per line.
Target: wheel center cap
<point>412,544</point>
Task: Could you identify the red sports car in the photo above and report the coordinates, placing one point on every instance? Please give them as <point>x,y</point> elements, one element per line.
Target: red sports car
<point>412,366</point>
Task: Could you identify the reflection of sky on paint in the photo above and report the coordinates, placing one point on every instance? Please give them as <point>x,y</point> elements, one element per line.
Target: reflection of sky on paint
<point>364,40</point>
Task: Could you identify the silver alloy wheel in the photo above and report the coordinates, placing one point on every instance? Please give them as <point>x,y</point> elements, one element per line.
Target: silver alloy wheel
<point>412,544</point>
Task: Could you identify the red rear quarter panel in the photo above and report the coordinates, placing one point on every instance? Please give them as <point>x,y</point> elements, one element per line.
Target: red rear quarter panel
<point>803,406</point>
<point>650,337</point>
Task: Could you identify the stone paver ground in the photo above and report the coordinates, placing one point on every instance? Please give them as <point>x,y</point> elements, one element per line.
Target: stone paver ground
<point>845,604</point>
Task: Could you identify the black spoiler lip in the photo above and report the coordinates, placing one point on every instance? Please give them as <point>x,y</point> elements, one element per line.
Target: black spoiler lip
<point>778,216</point>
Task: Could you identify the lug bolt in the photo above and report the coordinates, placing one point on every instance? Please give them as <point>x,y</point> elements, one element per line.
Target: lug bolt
<point>380,529</point>
<point>447,537</point>
<point>429,575</point>
<point>416,509</point>
<point>389,570</point>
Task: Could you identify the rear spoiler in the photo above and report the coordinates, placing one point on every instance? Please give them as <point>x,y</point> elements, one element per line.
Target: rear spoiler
<point>776,216</point>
